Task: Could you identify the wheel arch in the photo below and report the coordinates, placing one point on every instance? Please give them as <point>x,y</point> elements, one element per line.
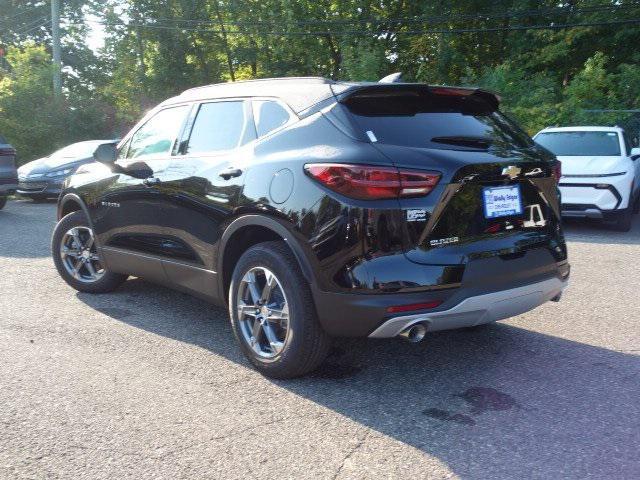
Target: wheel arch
<point>71,202</point>
<point>249,230</point>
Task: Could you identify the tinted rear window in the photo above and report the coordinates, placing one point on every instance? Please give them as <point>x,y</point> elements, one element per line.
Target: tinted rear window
<point>580,144</point>
<point>435,121</point>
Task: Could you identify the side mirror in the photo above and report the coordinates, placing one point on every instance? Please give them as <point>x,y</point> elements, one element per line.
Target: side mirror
<point>138,170</point>
<point>635,153</point>
<point>106,153</point>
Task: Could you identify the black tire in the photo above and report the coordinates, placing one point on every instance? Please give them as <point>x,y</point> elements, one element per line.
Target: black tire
<point>107,283</point>
<point>623,222</point>
<point>3,201</point>
<point>636,205</point>
<point>308,344</point>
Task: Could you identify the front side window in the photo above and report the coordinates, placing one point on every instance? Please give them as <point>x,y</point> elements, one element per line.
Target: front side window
<point>157,135</point>
<point>581,144</point>
<point>218,127</point>
<point>268,116</point>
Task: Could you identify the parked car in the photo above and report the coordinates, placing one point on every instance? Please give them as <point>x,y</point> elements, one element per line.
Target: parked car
<point>600,172</point>
<point>314,209</point>
<point>8,175</point>
<point>43,178</point>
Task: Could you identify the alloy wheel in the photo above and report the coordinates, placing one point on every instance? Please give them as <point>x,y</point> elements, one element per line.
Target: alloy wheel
<point>79,255</point>
<point>263,312</point>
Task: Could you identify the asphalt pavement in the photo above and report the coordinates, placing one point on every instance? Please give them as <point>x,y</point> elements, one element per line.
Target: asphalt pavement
<point>148,383</point>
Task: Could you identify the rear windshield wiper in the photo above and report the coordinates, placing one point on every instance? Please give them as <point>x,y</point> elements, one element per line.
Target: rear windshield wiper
<point>464,141</point>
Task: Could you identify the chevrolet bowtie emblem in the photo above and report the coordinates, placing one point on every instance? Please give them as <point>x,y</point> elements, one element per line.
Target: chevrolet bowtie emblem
<point>511,171</point>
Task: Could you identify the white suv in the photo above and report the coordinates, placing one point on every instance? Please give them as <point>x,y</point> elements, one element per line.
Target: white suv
<point>600,172</point>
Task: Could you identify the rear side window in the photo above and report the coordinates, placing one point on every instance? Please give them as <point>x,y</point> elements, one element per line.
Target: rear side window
<point>157,135</point>
<point>3,140</point>
<point>268,116</point>
<point>218,126</point>
<point>580,144</point>
<point>436,121</point>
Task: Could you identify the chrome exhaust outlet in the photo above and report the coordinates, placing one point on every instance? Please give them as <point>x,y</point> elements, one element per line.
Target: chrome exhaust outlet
<point>415,333</point>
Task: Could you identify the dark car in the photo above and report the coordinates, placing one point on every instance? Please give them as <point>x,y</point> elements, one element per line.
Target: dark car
<point>43,178</point>
<point>8,174</point>
<point>315,209</point>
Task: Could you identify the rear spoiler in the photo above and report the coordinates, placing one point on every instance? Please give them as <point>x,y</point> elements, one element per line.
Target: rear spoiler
<point>417,89</point>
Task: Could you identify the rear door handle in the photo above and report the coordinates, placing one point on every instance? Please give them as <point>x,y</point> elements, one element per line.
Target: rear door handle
<point>149,182</point>
<point>230,172</point>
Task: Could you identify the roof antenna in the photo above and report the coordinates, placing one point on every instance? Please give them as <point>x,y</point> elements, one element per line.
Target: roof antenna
<point>393,78</point>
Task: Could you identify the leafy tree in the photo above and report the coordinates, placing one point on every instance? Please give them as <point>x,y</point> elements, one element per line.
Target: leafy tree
<point>33,120</point>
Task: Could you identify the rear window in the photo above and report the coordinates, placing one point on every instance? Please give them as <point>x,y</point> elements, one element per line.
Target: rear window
<point>436,121</point>
<point>3,140</point>
<point>580,144</point>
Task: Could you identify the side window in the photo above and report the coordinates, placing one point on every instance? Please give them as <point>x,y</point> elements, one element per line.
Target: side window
<point>218,126</point>
<point>268,116</point>
<point>157,135</point>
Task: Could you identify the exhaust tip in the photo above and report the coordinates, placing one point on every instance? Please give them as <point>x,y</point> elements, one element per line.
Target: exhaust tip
<point>414,333</point>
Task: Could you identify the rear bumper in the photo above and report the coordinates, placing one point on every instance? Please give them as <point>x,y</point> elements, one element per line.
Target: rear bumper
<point>478,310</point>
<point>489,281</point>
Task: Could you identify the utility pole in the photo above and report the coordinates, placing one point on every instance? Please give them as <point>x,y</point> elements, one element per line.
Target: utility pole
<point>57,52</point>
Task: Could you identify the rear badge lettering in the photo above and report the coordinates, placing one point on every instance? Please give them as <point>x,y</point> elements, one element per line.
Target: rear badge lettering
<point>110,204</point>
<point>416,215</point>
<point>444,241</point>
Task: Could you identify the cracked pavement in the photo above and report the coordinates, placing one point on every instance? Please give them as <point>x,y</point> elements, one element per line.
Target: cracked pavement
<point>148,383</point>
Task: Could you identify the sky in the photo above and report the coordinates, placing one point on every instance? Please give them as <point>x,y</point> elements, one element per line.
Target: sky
<point>95,39</point>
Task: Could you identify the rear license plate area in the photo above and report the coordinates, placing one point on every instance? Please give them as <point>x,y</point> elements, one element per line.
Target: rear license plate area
<point>503,201</point>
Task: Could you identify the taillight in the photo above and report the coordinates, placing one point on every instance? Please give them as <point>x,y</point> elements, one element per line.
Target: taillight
<point>557,171</point>
<point>367,182</point>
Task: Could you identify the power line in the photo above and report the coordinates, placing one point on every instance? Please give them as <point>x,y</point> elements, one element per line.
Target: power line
<point>551,26</point>
<point>30,26</point>
<point>44,24</point>
<point>16,15</point>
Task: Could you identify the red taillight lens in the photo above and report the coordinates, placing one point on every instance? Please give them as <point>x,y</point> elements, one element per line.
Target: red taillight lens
<point>414,306</point>
<point>557,171</point>
<point>366,182</point>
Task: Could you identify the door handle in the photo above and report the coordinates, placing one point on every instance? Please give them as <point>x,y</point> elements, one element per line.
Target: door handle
<point>151,181</point>
<point>230,172</point>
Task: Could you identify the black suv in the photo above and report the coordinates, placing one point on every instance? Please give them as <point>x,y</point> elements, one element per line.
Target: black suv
<point>315,208</point>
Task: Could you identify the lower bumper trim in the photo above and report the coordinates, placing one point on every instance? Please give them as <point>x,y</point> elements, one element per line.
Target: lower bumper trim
<point>477,310</point>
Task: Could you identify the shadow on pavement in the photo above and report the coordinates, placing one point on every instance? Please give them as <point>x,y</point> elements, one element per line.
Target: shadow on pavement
<point>499,401</point>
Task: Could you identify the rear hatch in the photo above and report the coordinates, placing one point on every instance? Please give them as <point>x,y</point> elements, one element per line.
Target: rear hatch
<point>498,191</point>
<point>7,160</point>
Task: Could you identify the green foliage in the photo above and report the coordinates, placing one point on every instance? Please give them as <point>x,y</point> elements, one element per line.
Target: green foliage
<point>154,50</point>
<point>33,121</point>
